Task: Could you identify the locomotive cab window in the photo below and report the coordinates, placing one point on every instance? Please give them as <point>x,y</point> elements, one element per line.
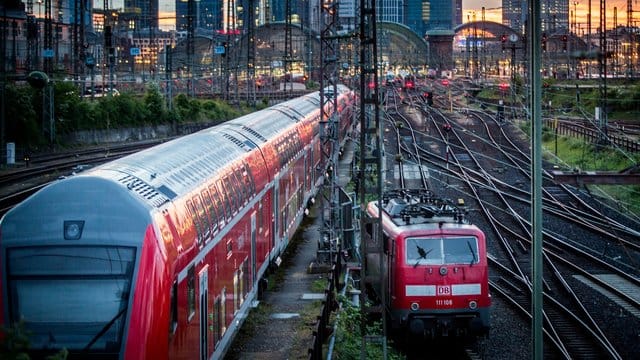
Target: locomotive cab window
<point>76,295</point>
<point>441,251</point>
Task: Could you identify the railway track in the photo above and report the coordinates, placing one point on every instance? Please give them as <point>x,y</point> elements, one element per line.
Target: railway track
<point>498,181</point>
<point>18,184</point>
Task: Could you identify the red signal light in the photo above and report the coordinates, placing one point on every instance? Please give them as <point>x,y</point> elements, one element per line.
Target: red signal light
<point>445,82</point>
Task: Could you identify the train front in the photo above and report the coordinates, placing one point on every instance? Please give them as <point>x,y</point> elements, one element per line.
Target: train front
<point>439,273</point>
<point>441,279</point>
<point>68,256</point>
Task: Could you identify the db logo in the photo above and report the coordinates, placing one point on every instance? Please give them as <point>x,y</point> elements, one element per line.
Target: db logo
<point>444,290</point>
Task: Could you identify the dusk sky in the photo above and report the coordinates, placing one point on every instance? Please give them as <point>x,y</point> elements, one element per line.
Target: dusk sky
<point>493,10</point>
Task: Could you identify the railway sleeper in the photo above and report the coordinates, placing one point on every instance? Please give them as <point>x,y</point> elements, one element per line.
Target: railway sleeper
<point>511,285</point>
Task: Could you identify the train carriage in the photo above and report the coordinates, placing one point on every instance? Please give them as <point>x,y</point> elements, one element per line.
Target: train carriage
<point>159,254</point>
<point>436,269</point>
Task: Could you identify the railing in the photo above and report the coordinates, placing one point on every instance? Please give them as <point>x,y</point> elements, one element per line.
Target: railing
<point>329,304</point>
<point>593,135</point>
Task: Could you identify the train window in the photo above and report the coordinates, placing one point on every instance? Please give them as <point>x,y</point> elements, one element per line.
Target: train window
<point>232,194</point>
<point>423,251</point>
<point>217,203</point>
<point>229,248</point>
<point>440,251</point>
<point>202,217</point>
<point>208,204</point>
<point>174,309</point>
<point>460,250</point>
<point>236,298</point>
<point>248,179</point>
<point>74,315</point>
<point>217,323</point>
<point>223,311</point>
<point>238,190</point>
<point>298,143</point>
<point>196,220</point>
<point>191,292</point>
<point>290,147</point>
<point>259,218</point>
<point>225,198</point>
<point>238,184</point>
<point>245,278</point>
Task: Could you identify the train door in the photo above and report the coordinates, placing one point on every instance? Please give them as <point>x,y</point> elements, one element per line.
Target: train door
<point>276,218</point>
<point>253,249</point>
<point>204,313</point>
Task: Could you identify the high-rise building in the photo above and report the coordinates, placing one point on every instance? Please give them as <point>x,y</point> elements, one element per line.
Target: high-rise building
<point>554,15</point>
<point>390,10</point>
<point>277,10</point>
<point>514,14</point>
<point>143,13</point>
<point>442,15</point>
<point>207,15</point>
<point>417,15</point>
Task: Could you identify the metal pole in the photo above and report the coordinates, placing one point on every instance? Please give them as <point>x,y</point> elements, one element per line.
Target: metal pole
<point>536,179</point>
<point>3,68</point>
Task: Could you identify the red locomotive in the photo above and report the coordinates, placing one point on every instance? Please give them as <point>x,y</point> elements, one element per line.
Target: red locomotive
<point>435,266</point>
<point>159,254</point>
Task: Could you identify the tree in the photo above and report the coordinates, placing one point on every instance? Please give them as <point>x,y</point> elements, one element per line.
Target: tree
<point>154,104</point>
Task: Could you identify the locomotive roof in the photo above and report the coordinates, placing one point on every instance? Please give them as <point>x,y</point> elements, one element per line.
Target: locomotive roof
<point>411,207</point>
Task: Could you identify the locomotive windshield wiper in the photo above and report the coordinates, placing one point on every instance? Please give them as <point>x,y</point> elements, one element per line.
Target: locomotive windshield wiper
<point>473,253</point>
<point>423,254</point>
<point>106,327</point>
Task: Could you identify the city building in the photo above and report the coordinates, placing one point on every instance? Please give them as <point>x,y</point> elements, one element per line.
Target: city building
<point>554,15</point>
<point>207,15</point>
<point>417,16</point>
<point>442,15</point>
<point>390,11</point>
<point>142,14</point>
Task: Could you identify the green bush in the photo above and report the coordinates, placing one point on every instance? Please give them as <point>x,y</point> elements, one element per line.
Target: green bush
<point>187,109</point>
<point>15,344</point>
<point>349,336</point>
<point>23,111</point>
<point>23,115</point>
<point>156,112</point>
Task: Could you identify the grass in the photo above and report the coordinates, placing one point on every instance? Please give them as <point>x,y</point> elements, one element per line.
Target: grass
<point>576,154</point>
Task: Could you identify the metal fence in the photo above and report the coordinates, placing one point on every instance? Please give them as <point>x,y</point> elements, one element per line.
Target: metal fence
<point>593,135</point>
<point>329,304</point>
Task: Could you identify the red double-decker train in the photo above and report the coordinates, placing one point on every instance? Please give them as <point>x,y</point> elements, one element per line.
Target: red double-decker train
<point>435,267</point>
<point>160,254</point>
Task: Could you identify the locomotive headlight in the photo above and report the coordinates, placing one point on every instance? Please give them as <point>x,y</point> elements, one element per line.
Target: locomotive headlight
<point>473,305</point>
<point>73,229</point>
<point>415,306</point>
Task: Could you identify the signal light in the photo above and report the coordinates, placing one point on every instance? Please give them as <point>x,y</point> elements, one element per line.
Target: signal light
<point>564,43</point>
<point>504,41</point>
<point>544,41</point>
